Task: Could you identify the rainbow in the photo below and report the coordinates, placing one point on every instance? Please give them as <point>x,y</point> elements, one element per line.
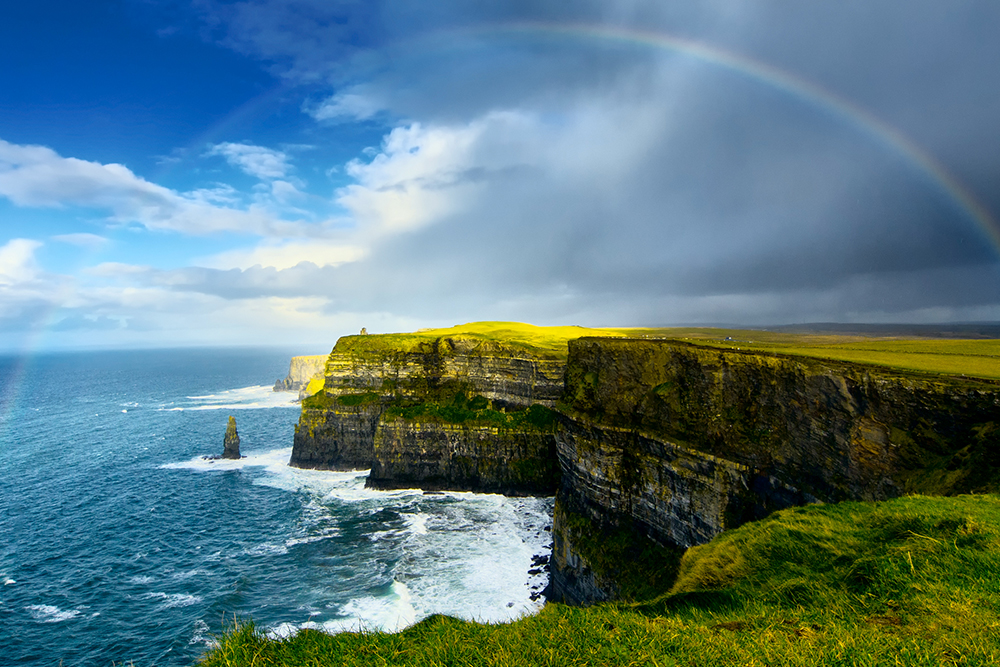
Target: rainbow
<point>788,83</point>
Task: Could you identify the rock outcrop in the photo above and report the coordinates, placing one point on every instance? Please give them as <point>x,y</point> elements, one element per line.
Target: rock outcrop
<point>231,443</point>
<point>440,412</point>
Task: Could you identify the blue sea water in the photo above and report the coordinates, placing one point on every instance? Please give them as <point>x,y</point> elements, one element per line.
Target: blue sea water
<point>119,543</point>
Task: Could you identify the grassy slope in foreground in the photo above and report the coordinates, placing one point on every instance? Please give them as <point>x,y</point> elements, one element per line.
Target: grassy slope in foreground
<point>912,581</point>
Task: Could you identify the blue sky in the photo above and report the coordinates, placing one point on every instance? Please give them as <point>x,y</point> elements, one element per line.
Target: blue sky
<point>262,172</point>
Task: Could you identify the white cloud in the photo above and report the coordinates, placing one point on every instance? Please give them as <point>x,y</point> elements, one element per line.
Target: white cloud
<point>82,239</point>
<point>17,261</point>
<point>117,270</point>
<point>346,106</point>
<point>419,176</point>
<point>283,191</point>
<point>38,176</point>
<point>285,255</point>
<point>257,161</point>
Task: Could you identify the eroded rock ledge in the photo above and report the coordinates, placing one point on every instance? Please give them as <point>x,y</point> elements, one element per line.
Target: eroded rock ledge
<point>665,441</point>
<point>454,412</point>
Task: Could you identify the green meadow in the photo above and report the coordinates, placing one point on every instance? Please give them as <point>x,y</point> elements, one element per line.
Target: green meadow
<point>543,342</point>
<point>911,581</point>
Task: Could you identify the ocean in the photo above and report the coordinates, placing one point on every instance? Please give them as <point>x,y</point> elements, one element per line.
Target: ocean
<point>120,544</point>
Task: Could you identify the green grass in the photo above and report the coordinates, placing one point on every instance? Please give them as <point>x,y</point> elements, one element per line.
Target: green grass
<point>973,358</point>
<point>912,581</point>
<point>542,342</point>
<point>477,410</point>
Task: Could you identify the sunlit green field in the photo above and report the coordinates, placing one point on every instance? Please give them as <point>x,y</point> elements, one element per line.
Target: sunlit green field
<point>971,358</point>
<point>912,581</point>
<point>545,342</point>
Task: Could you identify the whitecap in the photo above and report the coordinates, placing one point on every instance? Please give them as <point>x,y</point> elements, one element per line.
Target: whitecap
<point>273,460</point>
<point>417,523</point>
<point>171,600</point>
<point>244,398</point>
<point>266,550</point>
<point>388,613</point>
<point>309,539</point>
<point>47,613</point>
<point>487,543</point>
<point>202,636</point>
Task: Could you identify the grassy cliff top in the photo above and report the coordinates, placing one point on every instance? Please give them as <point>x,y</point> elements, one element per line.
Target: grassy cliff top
<point>513,337</point>
<point>971,357</point>
<point>911,581</point>
<point>957,357</point>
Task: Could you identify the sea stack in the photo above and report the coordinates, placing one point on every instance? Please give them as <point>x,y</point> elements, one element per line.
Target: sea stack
<point>231,445</point>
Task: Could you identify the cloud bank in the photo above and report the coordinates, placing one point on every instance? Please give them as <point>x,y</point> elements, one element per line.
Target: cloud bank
<point>525,165</point>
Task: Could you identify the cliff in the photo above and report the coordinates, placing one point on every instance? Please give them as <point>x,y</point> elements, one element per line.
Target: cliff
<point>302,371</point>
<point>679,442</point>
<point>455,409</point>
<point>654,445</point>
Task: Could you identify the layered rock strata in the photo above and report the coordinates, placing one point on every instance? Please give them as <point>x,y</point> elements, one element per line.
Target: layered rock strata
<point>436,455</point>
<point>443,413</point>
<point>683,442</point>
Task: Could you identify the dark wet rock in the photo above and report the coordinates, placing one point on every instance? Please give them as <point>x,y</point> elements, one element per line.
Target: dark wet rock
<point>231,443</point>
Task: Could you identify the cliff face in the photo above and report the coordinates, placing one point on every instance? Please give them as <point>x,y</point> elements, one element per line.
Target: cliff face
<point>456,412</point>
<point>682,442</point>
<point>436,455</point>
<point>334,436</point>
<point>301,371</point>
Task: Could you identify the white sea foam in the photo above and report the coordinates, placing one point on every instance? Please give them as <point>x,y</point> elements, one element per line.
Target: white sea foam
<point>319,536</point>
<point>417,523</point>
<point>455,553</point>
<point>266,550</point>
<point>274,461</point>
<point>47,613</point>
<point>171,600</point>
<point>328,485</point>
<point>141,579</point>
<point>473,560</point>
<point>245,398</point>
<point>389,613</point>
<point>201,635</point>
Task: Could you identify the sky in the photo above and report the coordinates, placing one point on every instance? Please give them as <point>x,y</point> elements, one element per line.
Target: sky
<point>264,172</point>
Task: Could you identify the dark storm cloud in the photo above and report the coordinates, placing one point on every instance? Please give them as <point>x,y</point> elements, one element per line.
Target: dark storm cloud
<point>694,184</point>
